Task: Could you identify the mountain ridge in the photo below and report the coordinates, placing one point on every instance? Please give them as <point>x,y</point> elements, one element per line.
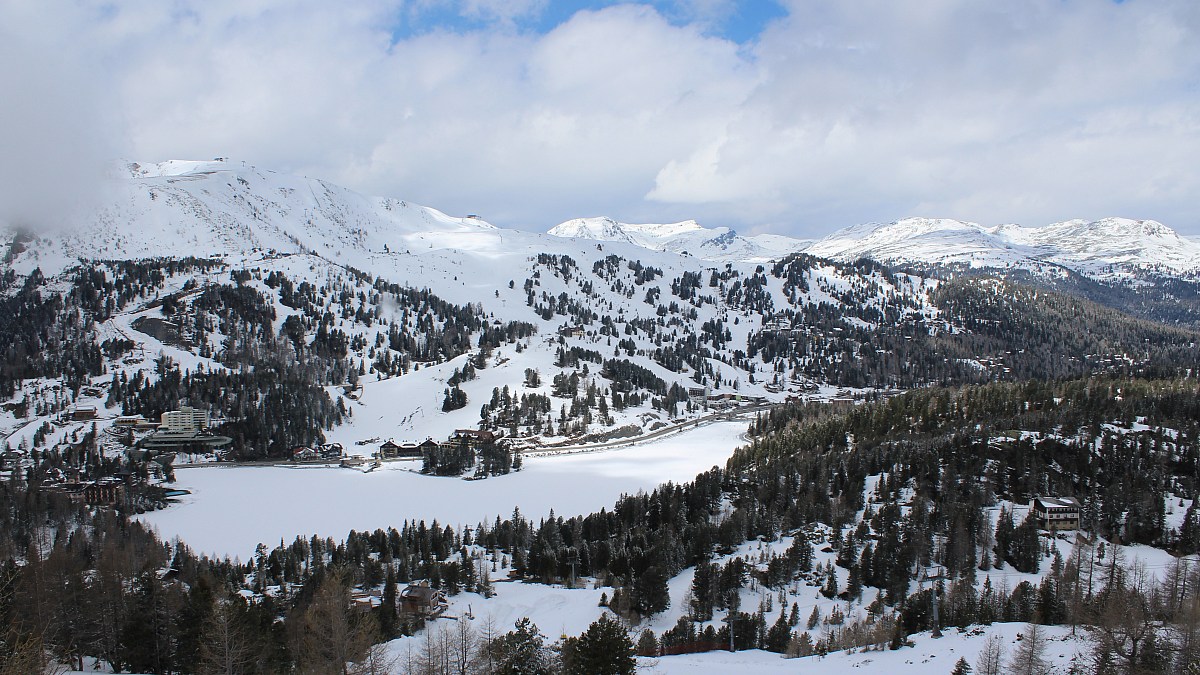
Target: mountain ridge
<point>719,244</point>
<point>1109,248</point>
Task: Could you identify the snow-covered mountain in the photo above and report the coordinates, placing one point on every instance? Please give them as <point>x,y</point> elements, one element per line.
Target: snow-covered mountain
<point>719,244</point>
<point>206,208</point>
<point>681,320</point>
<point>592,289</point>
<point>1108,248</point>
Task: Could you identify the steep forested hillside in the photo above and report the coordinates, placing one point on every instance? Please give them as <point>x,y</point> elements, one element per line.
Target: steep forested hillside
<point>1172,299</point>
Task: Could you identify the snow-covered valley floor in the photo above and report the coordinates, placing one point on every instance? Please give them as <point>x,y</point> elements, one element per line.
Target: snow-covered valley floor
<point>232,509</point>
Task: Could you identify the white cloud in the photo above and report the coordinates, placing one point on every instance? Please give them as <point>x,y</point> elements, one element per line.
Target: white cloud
<point>504,11</point>
<point>1025,111</point>
<point>55,122</point>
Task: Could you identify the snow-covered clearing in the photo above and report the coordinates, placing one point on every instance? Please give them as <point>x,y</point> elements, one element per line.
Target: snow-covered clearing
<point>232,509</point>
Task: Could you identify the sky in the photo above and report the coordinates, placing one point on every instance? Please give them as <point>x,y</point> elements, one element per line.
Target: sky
<point>793,117</point>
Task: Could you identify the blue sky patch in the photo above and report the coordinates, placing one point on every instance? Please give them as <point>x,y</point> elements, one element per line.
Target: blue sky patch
<point>740,22</point>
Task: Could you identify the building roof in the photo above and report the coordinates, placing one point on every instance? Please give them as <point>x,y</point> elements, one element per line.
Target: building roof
<point>1058,502</point>
<point>419,592</point>
<point>474,433</point>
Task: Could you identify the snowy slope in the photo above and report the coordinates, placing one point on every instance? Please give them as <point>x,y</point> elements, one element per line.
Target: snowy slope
<point>717,244</point>
<point>224,208</point>
<point>1115,242</point>
<point>1103,248</point>
<point>310,231</point>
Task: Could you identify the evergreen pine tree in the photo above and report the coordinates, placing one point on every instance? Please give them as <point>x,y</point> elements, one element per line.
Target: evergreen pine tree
<point>778,635</point>
<point>603,649</point>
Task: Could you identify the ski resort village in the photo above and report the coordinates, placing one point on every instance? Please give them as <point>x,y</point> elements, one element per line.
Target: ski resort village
<point>599,337</point>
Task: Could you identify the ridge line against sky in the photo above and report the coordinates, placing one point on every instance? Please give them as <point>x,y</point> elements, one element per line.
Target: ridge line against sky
<point>793,117</point>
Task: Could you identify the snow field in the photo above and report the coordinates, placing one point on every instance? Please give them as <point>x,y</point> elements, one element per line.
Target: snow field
<point>232,509</point>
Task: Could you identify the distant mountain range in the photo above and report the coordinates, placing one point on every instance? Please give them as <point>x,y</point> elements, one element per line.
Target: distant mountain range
<point>210,207</point>
<point>1109,249</point>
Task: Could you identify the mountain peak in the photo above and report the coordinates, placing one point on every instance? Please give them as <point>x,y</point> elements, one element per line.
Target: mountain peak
<point>599,228</point>
<point>686,237</point>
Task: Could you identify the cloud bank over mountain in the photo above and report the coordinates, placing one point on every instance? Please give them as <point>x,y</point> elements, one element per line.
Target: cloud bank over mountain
<point>831,114</point>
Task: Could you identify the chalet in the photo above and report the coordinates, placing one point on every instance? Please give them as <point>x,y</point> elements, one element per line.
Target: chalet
<point>421,600</point>
<point>331,451</point>
<point>303,454</point>
<point>571,331</point>
<point>134,422</point>
<point>84,414</point>
<point>355,461</point>
<point>365,600</point>
<point>1056,513</point>
<point>725,400</point>
<point>428,444</point>
<point>103,493</point>
<point>392,450</point>
<point>473,437</point>
<point>73,489</point>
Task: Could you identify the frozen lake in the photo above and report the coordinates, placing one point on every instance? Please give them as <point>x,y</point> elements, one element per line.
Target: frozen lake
<point>232,509</point>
